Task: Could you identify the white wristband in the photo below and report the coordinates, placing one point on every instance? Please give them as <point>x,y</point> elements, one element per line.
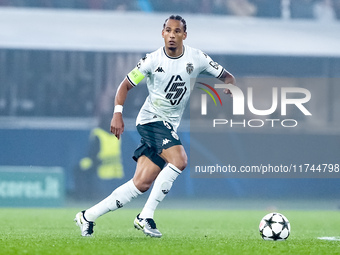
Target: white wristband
<point>118,108</point>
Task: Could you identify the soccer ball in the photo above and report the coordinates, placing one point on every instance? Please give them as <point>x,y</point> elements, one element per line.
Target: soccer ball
<point>275,227</point>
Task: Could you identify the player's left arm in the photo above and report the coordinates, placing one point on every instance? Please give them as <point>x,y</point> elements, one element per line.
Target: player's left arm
<point>216,70</point>
<point>227,78</point>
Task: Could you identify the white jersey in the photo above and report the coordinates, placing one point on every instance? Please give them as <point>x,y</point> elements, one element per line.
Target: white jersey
<point>168,82</point>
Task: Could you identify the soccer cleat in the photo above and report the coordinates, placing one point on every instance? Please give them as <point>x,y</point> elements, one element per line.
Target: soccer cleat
<point>86,227</point>
<point>148,226</point>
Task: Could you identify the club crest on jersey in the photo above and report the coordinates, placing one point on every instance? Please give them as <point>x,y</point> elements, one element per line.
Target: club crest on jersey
<point>190,68</point>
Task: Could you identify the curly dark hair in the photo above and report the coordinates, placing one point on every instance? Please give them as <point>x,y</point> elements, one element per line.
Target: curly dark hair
<point>177,17</point>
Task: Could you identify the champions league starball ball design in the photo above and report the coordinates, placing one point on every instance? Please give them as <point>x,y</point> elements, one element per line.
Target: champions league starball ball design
<point>274,227</point>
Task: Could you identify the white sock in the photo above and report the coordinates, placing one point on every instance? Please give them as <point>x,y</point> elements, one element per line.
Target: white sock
<point>160,188</point>
<point>118,198</point>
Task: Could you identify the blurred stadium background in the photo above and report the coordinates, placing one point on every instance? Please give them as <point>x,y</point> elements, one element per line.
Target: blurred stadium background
<point>62,60</point>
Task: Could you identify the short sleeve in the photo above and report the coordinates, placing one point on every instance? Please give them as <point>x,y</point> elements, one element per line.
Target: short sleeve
<point>144,65</point>
<point>140,71</point>
<point>209,66</point>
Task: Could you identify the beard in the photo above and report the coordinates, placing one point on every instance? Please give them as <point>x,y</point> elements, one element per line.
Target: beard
<point>172,48</point>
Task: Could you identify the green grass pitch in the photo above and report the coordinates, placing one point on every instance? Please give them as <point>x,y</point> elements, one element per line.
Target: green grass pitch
<point>52,231</point>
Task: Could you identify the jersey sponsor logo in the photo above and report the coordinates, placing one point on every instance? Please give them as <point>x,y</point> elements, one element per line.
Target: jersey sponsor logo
<point>190,68</point>
<point>165,141</point>
<point>214,64</point>
<point>159,70</point>
<point>175,90</point>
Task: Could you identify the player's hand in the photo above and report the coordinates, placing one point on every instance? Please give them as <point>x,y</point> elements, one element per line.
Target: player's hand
<point>227,91</point>
<point>117,124</point>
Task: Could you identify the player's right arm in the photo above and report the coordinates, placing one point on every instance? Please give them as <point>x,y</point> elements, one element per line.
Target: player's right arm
<point>117,123</point>
<point>132,79</point>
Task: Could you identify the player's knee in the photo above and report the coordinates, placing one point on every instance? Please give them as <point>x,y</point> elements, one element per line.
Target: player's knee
<point>183,165</point>
<point>180,162</point>
<point>142,186</point>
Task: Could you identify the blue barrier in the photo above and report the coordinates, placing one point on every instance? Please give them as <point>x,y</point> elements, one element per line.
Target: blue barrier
<point>65,148</point>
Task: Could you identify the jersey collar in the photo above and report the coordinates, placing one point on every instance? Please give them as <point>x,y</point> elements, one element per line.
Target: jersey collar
<point>173,57</point>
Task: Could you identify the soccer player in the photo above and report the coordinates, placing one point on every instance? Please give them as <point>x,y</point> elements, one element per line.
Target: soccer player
<point>160,156</point>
